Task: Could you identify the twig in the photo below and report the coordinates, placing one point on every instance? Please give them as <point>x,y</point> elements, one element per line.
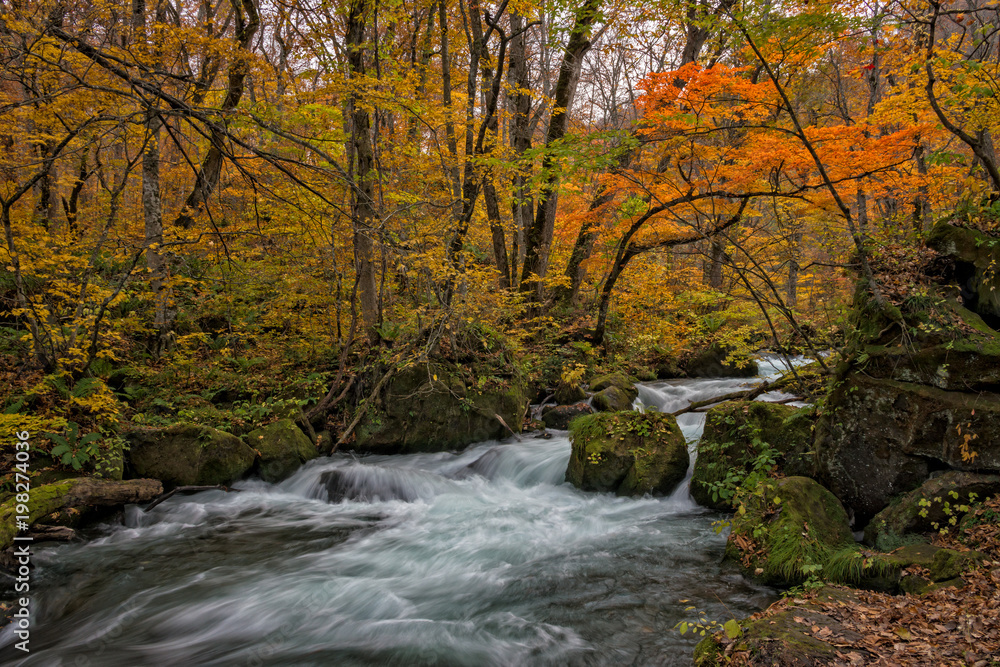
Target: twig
<point>500,419</point>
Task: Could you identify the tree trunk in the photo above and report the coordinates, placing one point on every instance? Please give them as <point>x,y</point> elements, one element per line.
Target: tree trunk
<point>363,214</point>
<point>539,239</point>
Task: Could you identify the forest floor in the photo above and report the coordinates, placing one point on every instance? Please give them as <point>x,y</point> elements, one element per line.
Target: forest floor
<point>946,627</point>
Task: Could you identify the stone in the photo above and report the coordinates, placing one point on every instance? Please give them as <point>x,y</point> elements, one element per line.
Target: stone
<point>189,454</point>
<point>431,407</point>
<point>711,363</point>
<point>785,529</point>
<point>738,433</point>
<point>569,393</point>
<point>612,399</point>
<point>619,380</point>
<point>932,505</point>
<point>976,257</point>
<point>559,416</point>
<point>283,448</point>
<point>880,438</point>
<point>628,453</point>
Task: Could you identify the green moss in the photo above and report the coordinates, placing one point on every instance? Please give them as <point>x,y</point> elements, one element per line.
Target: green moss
<point>743,437</point>
<point>796,526</point>
<point>630,453</point>
<point>42,501</point>
<point>283,449</point>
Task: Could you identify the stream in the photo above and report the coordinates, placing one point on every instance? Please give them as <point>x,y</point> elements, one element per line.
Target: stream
<point>485,557</point>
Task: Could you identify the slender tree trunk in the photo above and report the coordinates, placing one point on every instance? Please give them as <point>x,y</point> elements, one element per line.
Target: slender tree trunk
<point>364,217</point>
<point>539,240</point>
<point>522,205</point>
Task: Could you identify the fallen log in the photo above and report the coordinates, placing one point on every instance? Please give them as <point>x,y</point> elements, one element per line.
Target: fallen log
<point>77,492</point>
<point>746,395</point>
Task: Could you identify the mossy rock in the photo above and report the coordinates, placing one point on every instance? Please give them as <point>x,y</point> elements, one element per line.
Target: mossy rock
<point>712,363</point>
<point>879,438</point>
<point>189,454</point>
<point>436,406</point>
<point>934,504</point>
<point>782,634</point>
<point>976,258</point>
<point>628,453</point>
<point>283,449</point>
<point>619,380</point>
<point>738,433</point>
<point>613,399</point>
<point>569,393</point>
<point>786,528</point>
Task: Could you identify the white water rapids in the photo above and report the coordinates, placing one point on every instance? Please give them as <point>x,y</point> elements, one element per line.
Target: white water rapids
<point>485,557</point>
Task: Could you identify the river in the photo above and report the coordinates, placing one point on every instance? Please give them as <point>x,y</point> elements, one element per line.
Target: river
<point>484,557</point>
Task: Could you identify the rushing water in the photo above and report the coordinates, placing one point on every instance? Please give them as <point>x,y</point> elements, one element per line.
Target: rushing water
<point>480,558</point>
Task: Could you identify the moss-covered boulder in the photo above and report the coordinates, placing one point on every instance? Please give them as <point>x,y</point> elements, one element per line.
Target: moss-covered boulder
<point>880,438</point>
<point>569,392</point>
<point>619,380</point>
<point>283,448</point>
<point>629,453</point>
<point>713,362</point>
<point>939,502</point>
<point>976,257</point>
<point>612,399</point>
<point>743,436</point>
<point>439,406</point>
<point>559,416</point>
<point>613,393</point>
<point>787,529</point>
<point>189,454</point>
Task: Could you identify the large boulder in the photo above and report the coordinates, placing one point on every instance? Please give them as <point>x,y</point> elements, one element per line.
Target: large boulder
<point>741,437</point>
<point>629,453</point>
<point>434,406</point>
<point>559,416</point>
<point>935,504</point>
<point>613,393</point>
<point>189,454</point>
<point>713,362</point>
<point>283,448</point>
<point>882,437</point>
<point>976,257</point>
<point>787,529</point>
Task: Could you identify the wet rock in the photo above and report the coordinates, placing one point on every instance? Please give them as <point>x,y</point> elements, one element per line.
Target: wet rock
<point>613,399</point>
<point>738,437</point>
<point>569,393</point>
<point>559,416</point>
<point>712,363</point>
<point>283,449</point>
<point>189,454</point>
<point>628,453</point>
<point>880,438</point>
<point>430,407</point>
<point>976,257</point>
<point>613,393</point>
<point>932,505</point>
<point>787,529</point>
<point>369,484</point>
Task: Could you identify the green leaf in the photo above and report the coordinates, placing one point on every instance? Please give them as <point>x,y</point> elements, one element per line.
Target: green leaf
<point>732,628</point>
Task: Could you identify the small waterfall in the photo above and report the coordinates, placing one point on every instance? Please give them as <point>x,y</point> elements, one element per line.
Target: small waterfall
<point>485,557</point>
